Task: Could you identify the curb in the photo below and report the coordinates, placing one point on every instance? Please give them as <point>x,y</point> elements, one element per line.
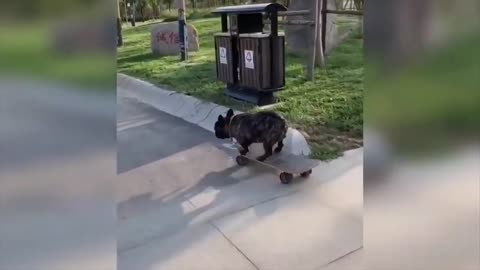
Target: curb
<point>201,113</point>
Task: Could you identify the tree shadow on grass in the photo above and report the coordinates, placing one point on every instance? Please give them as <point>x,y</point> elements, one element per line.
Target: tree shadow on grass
<point>133,43</point>
<point>145,57</point>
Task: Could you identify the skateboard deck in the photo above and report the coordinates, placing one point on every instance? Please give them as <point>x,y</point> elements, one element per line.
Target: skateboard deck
<point>286,162</point>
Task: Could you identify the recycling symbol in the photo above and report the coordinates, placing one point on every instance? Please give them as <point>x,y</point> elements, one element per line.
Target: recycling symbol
<point>248,57</point>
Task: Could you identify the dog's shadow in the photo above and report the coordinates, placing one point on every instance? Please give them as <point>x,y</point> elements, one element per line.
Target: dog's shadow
<point>223,186</point>
<point>217,195</point>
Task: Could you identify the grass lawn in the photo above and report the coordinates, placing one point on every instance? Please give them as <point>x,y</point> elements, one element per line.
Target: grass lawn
<point>329,111</point>
<point>432,104</point>
<point>25,50</point>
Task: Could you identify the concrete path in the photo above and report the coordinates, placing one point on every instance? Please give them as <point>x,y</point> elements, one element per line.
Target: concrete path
<point>146,134</point>
<point>57,166</point>
<point>183,203</point>
<point>195,111</point>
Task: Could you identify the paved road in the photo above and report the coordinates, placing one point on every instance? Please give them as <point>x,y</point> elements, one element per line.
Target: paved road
<point>183,203</point>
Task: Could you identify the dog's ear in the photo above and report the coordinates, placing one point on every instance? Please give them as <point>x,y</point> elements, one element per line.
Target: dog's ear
<point>220,118</point>
<point>229,114</point>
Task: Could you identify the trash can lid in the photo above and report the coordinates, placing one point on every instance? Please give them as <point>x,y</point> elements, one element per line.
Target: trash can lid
<point>250,9</point>
<point>259,35</point>
<point>222,34</point>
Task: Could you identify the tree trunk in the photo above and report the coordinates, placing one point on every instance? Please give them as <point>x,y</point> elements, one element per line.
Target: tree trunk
<point>119,33</point>
<point>126,11</point>
<point>358,4</point>
<point>118,9</point>
<point>141,12</point>
<point>134,13</point>
<point>119,26</point>
<point>319,56</point>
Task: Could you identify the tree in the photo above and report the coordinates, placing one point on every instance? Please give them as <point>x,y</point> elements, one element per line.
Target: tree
<point>155,5</point>
<point>122,5</point>
<point>168,3</point>
<point>194,3</point>
<point>358,4</point>
<point>119,26</point>
<point>140,6</point>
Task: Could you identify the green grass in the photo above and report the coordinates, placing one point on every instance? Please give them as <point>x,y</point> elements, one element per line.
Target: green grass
<point>432,103</point>
<point>329,110</point>
<point>26,50</point>
<point>346,22</point>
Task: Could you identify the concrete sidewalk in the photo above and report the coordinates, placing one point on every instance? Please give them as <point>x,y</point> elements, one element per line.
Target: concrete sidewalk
<point>243,218</point>
<point>191,207</point>
<point>193,110</point>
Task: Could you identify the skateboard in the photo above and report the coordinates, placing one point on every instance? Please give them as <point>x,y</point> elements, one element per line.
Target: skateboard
<point>287,164</point>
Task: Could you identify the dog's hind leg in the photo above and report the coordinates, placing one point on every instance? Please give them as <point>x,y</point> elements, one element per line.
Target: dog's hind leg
<point>279,147</point>
<point>268,152</point>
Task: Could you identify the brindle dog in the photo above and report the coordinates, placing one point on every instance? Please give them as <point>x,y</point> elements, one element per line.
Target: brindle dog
<point>265,127</point>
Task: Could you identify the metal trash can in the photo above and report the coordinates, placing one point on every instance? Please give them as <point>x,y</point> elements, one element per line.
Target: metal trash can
<point>224,50</point>
<point>250,61</point>
<point>256,70</point>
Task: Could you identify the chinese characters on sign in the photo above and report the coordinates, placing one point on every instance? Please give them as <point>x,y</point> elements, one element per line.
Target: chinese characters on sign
<point>168,38</point>
<point>165,39</point>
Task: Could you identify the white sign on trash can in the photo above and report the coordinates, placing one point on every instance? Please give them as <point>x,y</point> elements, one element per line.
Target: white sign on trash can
<point>249,59</point>
<point>223,55</point>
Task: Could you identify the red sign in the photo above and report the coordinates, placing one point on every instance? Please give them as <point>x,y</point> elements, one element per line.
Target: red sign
<point>168,38</point>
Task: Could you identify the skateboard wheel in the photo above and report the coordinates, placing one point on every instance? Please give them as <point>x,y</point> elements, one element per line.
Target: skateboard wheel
<point>242,161</point>
<point>306,174</point>
<point>285,178</point>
